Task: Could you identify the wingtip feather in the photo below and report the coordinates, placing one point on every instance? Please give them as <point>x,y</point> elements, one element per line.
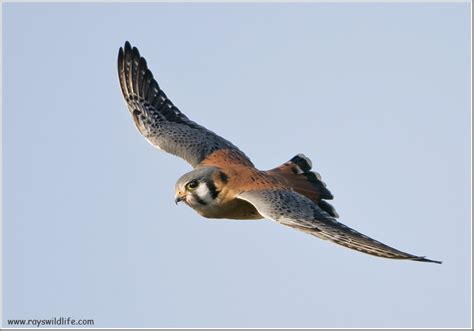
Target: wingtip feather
<point>424,259</point>
<point>127,46</point>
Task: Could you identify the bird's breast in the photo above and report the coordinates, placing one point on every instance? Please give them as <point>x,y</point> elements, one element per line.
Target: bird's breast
<point>235,209</point>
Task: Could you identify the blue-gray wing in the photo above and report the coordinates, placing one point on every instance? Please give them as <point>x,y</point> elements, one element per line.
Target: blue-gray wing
<point>158,120</point>
<point>295,210</point>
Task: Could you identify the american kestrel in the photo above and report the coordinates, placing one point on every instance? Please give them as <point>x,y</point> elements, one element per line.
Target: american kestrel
<point>224,182</point>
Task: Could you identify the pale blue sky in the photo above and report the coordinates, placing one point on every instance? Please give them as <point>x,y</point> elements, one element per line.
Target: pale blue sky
<point>377,95</point>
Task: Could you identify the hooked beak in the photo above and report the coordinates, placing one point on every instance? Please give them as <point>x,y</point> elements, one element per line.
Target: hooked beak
<point>179,198</point>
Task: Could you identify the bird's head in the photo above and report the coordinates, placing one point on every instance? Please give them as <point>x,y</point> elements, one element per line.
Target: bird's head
<point>201,187</point>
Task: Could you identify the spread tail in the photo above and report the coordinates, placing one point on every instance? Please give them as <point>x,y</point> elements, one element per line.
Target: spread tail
<point>297,172</point>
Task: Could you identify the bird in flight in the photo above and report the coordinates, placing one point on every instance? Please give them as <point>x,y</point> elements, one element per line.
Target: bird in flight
<point>224,182</point>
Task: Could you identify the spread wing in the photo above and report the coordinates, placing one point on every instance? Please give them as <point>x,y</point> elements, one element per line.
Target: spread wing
<point>158,120</point>
<point>294,210</point>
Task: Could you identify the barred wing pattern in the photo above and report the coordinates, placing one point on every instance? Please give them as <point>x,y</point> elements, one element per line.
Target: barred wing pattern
<point>158,119</point>
<point>294,210</point>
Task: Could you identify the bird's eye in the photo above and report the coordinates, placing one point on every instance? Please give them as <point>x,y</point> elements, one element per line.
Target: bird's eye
<point>192,185</point>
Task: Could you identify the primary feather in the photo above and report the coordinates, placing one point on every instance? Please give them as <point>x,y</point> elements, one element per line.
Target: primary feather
<point>292,209</point>
<point>158,119</point>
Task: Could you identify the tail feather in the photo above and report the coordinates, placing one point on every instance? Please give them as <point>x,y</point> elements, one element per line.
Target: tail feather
<point>301,163</point>
<point>297,172</point>
<point>328,208</point>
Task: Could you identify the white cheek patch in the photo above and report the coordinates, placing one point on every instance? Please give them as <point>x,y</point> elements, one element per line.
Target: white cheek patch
<point>202,191</point>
